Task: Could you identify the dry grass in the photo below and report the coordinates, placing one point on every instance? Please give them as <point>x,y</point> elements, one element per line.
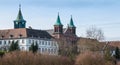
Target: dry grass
<point>92,58</point>
<point>28,58</point>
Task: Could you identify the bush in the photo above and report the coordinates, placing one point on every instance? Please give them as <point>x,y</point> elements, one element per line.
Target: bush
<point>29,58</point>
<point>92,58</point>
<point>2,53</point>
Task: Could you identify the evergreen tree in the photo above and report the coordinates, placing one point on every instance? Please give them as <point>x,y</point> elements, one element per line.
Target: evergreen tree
<point>36,47</point>
<point>117,53</point>
<point>33,47</point>
<point>11,46</point>
<point>14,46</point>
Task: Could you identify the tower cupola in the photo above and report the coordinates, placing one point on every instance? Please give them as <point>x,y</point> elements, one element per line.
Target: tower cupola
<point>19,22</point>
<point>58,27</point>
<point>72,26</point>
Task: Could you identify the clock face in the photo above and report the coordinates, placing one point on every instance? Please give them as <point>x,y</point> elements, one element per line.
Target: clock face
<point>16,22</point>
<point>23,23</point>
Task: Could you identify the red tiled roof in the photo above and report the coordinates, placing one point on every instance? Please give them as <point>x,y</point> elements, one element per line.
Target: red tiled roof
<point>114,43</point>
<point>23,32</point>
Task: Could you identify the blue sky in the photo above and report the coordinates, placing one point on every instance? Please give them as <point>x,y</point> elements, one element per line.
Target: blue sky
<point>42,14</point>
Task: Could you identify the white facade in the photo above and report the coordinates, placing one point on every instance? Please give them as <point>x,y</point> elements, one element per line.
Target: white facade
<point>45,46</point>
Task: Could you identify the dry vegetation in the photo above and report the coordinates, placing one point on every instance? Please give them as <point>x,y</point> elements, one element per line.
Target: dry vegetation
<point>29,58</point>
<point>92,58</point>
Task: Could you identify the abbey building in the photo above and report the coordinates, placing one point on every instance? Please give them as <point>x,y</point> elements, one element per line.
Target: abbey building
<point>46,39</point>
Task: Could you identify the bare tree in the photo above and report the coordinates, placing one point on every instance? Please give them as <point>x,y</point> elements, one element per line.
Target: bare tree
<point>95,33</point>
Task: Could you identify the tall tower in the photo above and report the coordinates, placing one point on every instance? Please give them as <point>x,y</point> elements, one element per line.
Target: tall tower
<point>58,27</point>
<point>19,22</point>
<point>72,26</point>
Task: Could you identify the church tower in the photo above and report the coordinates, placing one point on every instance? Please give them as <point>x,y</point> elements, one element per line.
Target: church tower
<point>72,26</point>
<point>19,22</point>
<point>58,27</point>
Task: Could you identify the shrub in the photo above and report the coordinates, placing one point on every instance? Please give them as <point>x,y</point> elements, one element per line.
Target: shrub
<point>92,58</point>
<point>2,53</point>
<point>29,58</point>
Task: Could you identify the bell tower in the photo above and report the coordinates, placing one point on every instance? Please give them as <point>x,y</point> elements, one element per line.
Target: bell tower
<point>58,27</point>
<point>72,26</point>
<point>19,22</point>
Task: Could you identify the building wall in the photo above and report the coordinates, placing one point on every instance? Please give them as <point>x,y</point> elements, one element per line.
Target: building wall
<point>45,46</point>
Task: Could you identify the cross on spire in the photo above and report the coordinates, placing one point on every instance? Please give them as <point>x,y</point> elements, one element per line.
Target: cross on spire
<point>19,6</point>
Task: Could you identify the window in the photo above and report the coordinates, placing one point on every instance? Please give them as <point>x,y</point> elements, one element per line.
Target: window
<point>51,50</point>
<point>45,49</point>
<point>46,43</point>
<point>56,29</point>
<point>48,50</point>
<point>22,41</point>
<point>39,49</point>
<point>39,42</point>
<point>29,41</point>
<point>49,43</point>
<point>0,42</point>
<point>32,41</point>
<point>9,42</point>
<point>4,42</point>
<point>23,48</point>
<point>42,49</point>
<point>42,42</point>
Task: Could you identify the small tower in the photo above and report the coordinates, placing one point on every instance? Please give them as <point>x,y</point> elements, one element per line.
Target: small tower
<point>19,22</point>
<point>72,26</point>
<point>58,27</point>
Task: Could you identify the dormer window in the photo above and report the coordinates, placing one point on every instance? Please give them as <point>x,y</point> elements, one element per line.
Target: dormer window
<point>20,35</point>
<point>11,36</point>
<point>2,36</point>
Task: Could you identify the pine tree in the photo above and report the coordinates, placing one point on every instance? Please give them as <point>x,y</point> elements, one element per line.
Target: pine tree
<point>117,53</point>
<point>36,47</point>
<point>11,46</point>
<point>33,47</point>
<point>14,46</point>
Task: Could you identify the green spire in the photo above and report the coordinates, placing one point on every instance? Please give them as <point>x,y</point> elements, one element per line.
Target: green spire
<point>19,16</point>
<point>58,22</point>
<point>71,22</point>
<point>19,22</point>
